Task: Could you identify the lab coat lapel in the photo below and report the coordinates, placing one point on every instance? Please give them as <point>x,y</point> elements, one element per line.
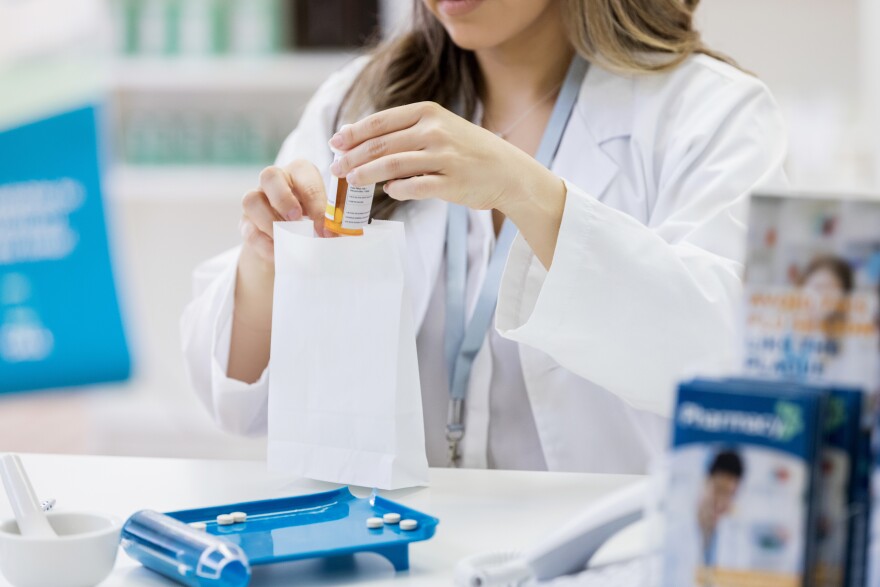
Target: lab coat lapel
<point>604,112</point>
<point>584,163</point>
<point>425,225</point>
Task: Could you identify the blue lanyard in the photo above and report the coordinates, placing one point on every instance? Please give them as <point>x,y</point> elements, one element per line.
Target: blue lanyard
<point>463,341</point>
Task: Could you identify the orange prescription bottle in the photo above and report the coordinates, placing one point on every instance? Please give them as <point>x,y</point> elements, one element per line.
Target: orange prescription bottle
<point>348,206</point>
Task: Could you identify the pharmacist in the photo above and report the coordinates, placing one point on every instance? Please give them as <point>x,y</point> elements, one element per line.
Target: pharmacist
<point>625,274</point>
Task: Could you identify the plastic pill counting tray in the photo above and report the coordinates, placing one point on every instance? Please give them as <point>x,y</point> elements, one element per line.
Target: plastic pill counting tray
<point>328,524</point>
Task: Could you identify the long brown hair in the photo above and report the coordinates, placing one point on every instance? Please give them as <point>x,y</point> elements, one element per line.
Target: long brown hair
<point>424,64</point>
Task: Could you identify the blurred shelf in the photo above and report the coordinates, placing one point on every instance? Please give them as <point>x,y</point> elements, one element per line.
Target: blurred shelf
<point>185,182</point>
<point>289,72</point>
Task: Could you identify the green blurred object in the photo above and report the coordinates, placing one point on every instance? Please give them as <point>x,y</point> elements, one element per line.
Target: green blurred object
<point>173,24</point>
<point>221,26</point>
<point>212,27</point>
<point>194,137</point>
<point>196,27</point>
<point>257,26</point>
<point>130,16</point>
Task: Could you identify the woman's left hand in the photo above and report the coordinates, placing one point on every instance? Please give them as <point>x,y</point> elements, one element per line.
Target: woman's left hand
<point>425,151</point>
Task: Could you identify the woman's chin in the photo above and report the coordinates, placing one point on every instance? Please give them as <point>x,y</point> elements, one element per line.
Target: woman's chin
<point>472,40</point>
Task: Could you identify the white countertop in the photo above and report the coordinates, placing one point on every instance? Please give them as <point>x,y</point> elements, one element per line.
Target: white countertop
<point>479,511</point>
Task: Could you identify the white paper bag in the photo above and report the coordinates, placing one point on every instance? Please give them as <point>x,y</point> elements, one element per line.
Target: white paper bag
<point>345,402</point>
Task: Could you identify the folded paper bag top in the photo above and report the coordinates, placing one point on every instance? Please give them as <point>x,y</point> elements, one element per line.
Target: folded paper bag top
<point>345,402</point>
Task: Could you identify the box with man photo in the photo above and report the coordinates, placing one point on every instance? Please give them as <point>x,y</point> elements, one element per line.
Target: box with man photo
<point>843,498</point>
<point>742,486</point>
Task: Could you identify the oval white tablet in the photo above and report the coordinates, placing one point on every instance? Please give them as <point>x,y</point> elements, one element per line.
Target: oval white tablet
<point>238,517</point>
<point>408,524</point>
<point>225,520</point>
<point>198,525</point>
<point>374,522</point>
<point>391,518</point>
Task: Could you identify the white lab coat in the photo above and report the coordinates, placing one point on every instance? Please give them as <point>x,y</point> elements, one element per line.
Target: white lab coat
<point>645,283</point>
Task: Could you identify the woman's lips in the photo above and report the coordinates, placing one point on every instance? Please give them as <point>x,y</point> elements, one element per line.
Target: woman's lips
<point>457,7</point>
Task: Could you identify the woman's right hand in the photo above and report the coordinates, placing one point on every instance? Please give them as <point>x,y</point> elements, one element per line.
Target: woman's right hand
<point>286,193</point>
<point>292,192</point>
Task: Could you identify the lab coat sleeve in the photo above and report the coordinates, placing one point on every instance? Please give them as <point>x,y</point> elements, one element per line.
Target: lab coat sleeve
<point>206,323</point>
<point>636,307</point>
<point>206,330</point>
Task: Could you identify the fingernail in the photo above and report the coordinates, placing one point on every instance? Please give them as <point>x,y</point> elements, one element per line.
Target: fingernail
<point>351,180</point>
<point>335,168</point>
<point>293,215</point>
<point>336,140</point>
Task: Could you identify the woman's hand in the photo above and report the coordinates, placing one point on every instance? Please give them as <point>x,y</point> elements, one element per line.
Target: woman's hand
<point>424,151</point>
<point>285,193</point>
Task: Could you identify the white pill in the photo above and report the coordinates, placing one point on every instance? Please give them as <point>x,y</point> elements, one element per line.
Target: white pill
<point>374,522</point>
<point>225,520</point>
<point>408,524</point>
<point>238,517</point>
<point>198,525</point>
<point>391,518</point>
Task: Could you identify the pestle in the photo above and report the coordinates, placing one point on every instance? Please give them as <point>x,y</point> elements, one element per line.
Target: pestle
<point>32,522</point>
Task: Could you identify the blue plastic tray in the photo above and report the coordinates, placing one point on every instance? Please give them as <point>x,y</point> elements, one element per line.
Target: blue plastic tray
<point>328,524</point>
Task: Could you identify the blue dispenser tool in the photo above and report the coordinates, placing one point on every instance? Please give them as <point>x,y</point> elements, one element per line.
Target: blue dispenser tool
<point>328,524</point>
<point>184,554</point>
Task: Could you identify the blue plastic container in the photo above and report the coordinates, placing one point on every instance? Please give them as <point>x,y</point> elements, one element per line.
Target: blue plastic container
<point>328,524</point>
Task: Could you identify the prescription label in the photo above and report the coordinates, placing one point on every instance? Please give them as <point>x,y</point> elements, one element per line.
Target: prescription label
<point>358,202</point>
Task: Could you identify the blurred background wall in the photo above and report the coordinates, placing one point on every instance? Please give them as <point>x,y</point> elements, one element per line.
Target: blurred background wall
<point>198,101</point>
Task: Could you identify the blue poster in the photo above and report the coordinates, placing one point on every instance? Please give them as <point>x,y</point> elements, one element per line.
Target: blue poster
<point>60,321</point>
